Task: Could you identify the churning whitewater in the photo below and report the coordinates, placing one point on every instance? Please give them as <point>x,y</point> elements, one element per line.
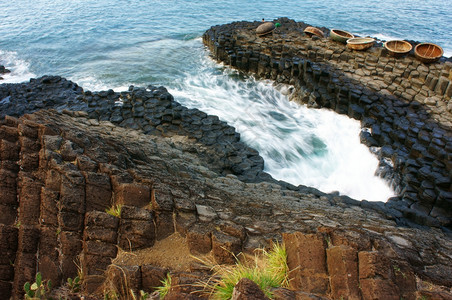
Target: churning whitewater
<point>317,148</point>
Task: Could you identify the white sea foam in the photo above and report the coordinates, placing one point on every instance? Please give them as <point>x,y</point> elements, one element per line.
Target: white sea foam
<point>317,148</point>
<point>92,83</point>
<point>447,53</point>
<point>384,37</point>
<point>20,69</point>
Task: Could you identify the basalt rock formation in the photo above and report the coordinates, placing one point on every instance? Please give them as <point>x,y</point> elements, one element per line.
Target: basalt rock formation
<point>17,99</point>
<point>404,105</point>
<point>67,155</point>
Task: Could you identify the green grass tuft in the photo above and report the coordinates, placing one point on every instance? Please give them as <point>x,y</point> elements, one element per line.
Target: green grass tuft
<point>277,264</point>
<point>272,272</point>
<point>114,210</point>
<point>165,287</point>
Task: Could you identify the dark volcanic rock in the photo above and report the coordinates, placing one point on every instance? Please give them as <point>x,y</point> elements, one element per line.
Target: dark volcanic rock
<point>45,92</point>
<point>3,70</point>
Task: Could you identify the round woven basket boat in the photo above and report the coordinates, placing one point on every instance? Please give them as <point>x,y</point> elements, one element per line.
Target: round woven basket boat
<point>428,52</point>
<point>310,31</point>
<point>360,43</point>
<point>398,48</point>
<point>340,36</point>
<point>265,28</point>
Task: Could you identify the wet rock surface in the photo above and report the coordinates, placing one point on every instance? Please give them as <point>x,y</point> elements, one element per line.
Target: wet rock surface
<point>404,105</point>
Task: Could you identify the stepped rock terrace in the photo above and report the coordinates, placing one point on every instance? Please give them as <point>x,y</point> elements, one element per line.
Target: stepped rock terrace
<point>61,171</point>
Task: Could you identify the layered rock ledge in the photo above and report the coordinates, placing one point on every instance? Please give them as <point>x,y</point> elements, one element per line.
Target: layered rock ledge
<point>404,105</point>
<point>60,171</point>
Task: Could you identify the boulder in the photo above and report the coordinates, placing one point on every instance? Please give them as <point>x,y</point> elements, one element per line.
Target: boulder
<point>247,289</point>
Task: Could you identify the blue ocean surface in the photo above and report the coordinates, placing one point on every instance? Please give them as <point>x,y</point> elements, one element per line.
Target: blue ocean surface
<point>116,42</point>
<point>103,44</point>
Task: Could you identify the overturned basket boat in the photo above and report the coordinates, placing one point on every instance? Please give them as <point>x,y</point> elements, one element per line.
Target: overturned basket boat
<point>428,52</point>
<point>397,48</point>
<point>340,36</point>
<point>310,31</point>
<point>265,28</point>
<point>360,43</point>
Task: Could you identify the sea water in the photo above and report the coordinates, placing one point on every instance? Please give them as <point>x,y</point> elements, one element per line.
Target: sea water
<point>103,44</point>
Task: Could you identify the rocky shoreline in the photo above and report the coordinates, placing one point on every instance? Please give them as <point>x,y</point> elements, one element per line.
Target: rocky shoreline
<point>67,155</point>
<point>404,105</point>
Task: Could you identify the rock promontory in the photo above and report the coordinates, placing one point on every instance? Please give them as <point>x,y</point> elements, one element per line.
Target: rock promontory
<point>404,105</point>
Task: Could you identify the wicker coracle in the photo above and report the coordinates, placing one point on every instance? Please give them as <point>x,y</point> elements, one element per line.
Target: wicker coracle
<point>397,48</point>
<point>428,52</point>
<point>340,36</point>
<point>311,31</point>
<point>360,43</point>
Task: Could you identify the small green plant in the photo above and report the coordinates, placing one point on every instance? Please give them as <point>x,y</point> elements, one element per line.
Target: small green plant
<point>328,241</point>
<point>115,210</point>
<point>74,284</point>
<point>39,289</point>
<point>18,224</point>
<point>165,287</point>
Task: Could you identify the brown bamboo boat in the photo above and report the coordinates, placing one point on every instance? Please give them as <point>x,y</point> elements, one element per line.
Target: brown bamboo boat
<point>428,52</point>
<point>360,43</point>
<point>265,28</point>
<point>311,31</point>
<point>397,48</point>
<point>340,36</point>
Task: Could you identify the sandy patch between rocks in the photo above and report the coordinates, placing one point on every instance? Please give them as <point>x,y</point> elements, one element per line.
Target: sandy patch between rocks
<point>171,253</point>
